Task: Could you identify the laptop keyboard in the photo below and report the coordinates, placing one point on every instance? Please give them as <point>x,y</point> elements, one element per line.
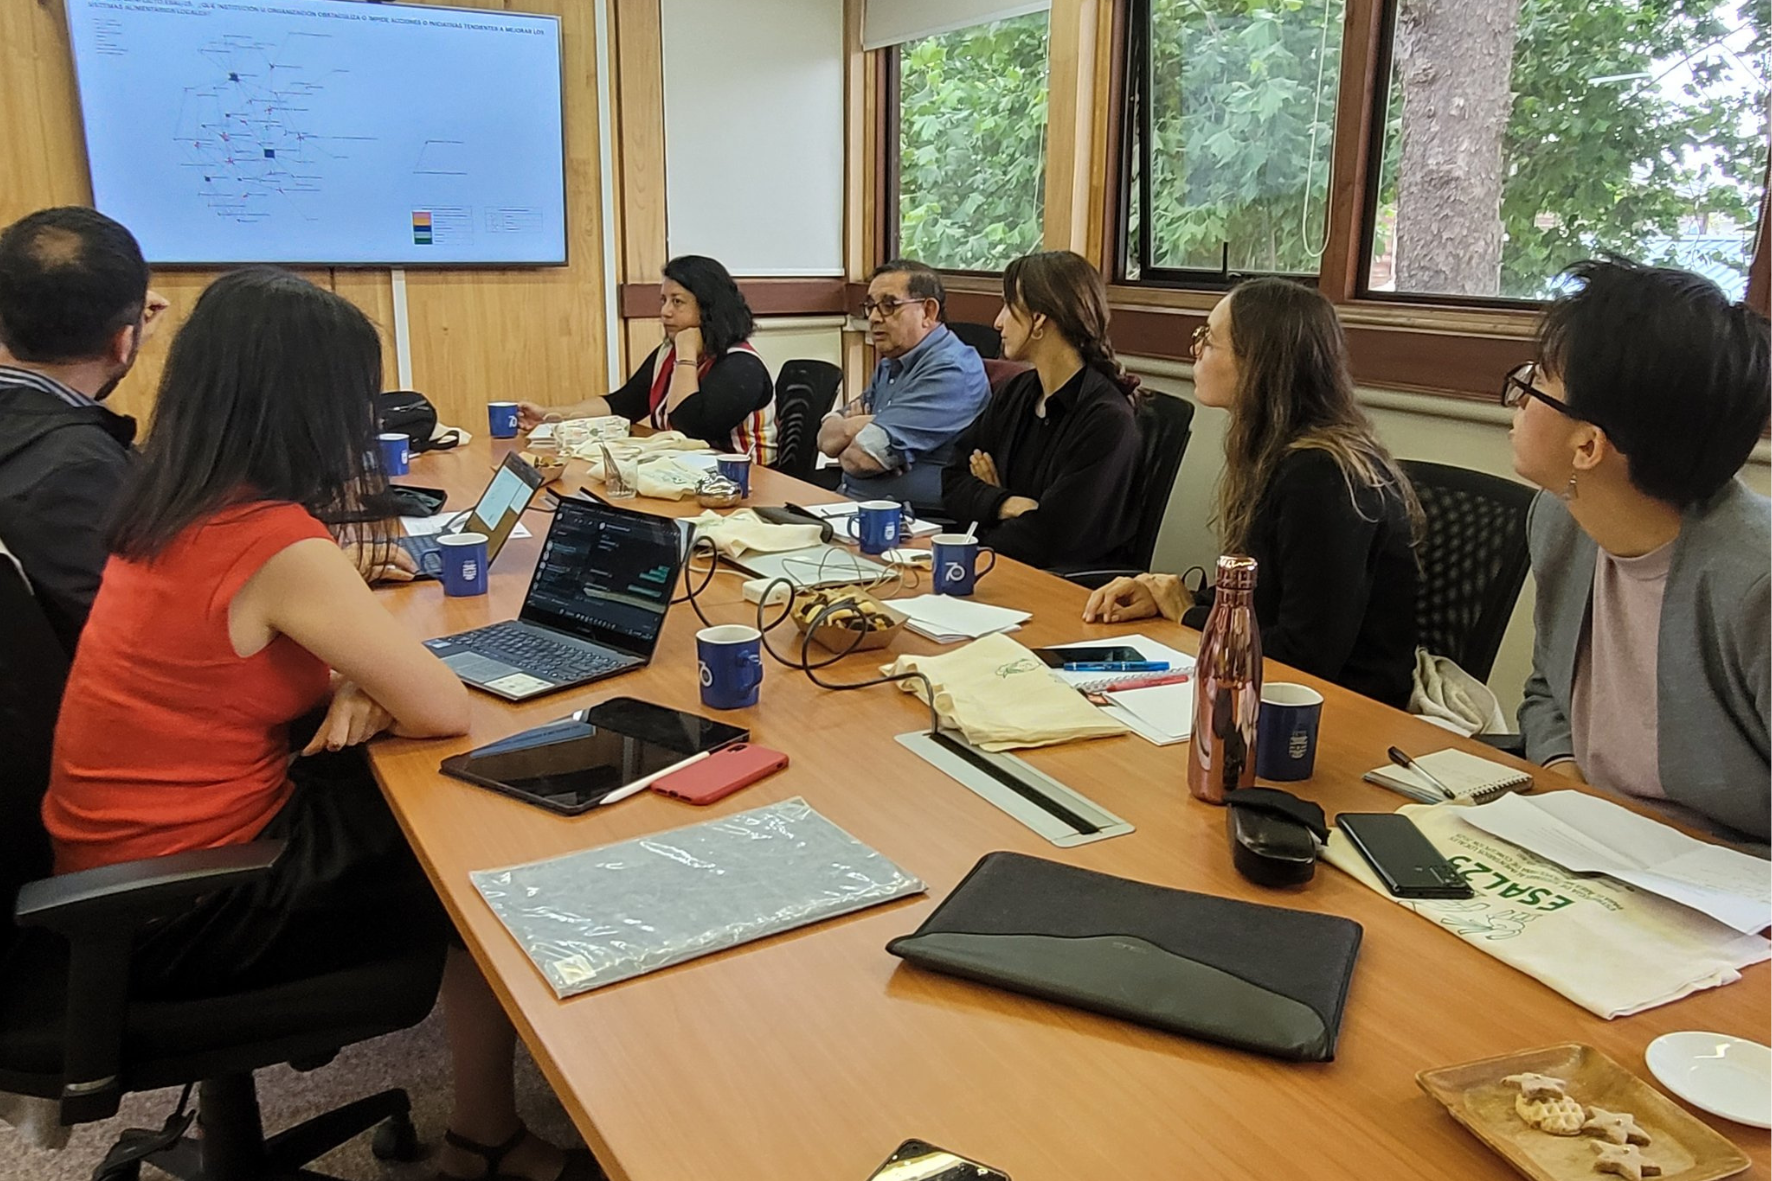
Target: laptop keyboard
<point>537,655</point>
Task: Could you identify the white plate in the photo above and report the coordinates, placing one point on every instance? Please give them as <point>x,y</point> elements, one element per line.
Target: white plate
<point>1726,1076</point>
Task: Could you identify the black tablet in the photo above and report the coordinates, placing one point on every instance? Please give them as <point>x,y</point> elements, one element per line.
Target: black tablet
<point>574,764</point>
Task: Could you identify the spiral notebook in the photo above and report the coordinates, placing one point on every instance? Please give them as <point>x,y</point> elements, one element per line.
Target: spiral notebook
<point>1472,780</point>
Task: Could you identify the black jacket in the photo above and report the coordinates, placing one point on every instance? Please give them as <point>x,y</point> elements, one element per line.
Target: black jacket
<point>62,464</point>
<point>1336,581</point>
<point>1079,462</point>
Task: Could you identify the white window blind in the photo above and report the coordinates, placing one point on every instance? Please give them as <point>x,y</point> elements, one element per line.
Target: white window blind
<point>753,104</point>
<point>893,22</point>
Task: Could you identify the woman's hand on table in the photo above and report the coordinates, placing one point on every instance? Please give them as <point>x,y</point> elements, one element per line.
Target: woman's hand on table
<point>1138,598</point>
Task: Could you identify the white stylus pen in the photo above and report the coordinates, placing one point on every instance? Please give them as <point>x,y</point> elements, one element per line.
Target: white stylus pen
<point>645,781</point>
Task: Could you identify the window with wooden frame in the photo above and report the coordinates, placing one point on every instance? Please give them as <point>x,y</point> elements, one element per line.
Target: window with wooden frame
<point>965,144</point>
<point>1227,138</point>
<point>1440,152</point>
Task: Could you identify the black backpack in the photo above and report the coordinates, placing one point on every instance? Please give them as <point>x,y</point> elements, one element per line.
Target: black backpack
<point>411,413</point>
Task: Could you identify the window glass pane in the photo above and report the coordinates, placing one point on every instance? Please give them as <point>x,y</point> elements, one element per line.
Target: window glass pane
<point>1242,97</point>
<point>1525,135</point>
<point>972,144</point>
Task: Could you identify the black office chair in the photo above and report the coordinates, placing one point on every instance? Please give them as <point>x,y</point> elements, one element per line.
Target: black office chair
<point>987,340</point>
<point>804,393</point>
<point>1165,424</point>
<point>70,1030</point>
<point>1473,561</point>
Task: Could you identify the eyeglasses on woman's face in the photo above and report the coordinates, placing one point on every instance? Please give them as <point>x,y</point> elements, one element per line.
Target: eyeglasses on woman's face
<point>1202,340</point>
<point>1518,386</point>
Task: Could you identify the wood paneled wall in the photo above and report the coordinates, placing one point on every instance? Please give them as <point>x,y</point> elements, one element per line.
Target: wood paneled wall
<point>477,335</point>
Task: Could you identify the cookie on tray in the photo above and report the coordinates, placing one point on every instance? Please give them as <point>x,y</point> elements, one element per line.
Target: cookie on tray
<point>1561,1116</point>
<point>1627,1160</point>
<point>1617,1127</point>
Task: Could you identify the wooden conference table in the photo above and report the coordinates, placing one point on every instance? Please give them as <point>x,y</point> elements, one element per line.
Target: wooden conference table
<point>814,1054</point>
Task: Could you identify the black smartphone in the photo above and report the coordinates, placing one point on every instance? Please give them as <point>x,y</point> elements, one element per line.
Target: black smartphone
<point>1405,861</point>
<point>917,1160</point>
<point>1098,654</point>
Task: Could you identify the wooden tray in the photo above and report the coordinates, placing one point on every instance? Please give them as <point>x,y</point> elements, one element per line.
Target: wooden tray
<point>836,638</point>
<point>1473,1092</point>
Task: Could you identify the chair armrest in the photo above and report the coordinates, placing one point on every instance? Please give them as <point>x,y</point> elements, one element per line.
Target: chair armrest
<point>134,892</point>
<point>99,911</point>
<point>1513,744</point>
<point>1093,579</point>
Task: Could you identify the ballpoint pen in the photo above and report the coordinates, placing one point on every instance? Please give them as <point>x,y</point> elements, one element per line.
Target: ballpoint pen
<point>1403,760</point>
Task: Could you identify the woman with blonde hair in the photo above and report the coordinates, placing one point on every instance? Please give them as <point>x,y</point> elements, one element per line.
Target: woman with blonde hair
<point>1046,469</point>
<point>1307,490</point>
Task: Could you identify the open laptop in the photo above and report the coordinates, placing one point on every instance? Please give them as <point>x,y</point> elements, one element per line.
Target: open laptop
<point>595,606</point>
<point>500,507</point>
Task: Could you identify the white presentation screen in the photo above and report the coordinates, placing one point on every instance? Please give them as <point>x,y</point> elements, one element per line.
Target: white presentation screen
<point>324,131</point>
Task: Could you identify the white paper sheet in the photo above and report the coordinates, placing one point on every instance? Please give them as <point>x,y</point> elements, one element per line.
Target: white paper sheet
<point>1587,834</point>
<point>947,619</point>
<point>1164,714</point>
<point>430,526</point>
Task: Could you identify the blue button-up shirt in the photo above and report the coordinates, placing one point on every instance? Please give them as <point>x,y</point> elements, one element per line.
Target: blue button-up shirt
<point>920,403</point>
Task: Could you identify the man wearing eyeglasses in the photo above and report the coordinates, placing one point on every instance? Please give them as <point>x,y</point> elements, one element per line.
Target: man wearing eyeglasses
<point>928,387</point>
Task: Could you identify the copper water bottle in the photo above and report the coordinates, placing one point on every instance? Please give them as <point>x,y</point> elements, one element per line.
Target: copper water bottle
<point>1227,687</point>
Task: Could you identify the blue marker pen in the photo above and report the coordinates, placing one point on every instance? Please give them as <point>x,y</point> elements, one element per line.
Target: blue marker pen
<point>1117,666</point>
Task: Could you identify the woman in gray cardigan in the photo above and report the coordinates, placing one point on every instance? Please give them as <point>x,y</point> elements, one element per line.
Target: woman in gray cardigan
<point>1651,661</point>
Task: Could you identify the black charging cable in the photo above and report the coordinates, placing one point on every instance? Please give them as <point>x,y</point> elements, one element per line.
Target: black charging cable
<point>693,590</point>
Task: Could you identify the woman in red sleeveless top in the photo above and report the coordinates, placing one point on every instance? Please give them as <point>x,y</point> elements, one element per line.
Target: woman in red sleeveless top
<point>227,615</point>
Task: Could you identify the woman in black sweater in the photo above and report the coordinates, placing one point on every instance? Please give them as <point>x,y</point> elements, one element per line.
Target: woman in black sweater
<point>705,379</point>
<point>1307,491</point>
<point>1046,470</point>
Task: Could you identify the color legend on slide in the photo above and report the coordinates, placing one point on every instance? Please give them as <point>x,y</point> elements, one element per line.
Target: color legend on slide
<point>421,227</point>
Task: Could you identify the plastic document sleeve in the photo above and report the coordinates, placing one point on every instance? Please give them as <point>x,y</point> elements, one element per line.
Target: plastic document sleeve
<point>602,915</point>
<point>1259,978</point>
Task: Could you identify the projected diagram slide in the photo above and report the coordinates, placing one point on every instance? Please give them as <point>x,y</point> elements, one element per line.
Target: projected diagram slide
<point>323,131</point>
<point>250,134</point>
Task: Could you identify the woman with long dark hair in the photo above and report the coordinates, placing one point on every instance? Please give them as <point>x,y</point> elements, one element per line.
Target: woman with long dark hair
<point>227,614</point>
<point>1046,470</point>
<point>705,379</point>
<point>1307,490</point>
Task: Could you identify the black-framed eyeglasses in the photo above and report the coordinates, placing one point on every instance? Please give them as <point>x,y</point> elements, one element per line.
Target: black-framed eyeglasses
<point>886,307</point>
<point>1517,386</point>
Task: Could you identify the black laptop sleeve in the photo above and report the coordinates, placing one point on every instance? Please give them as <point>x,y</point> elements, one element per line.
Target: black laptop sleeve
<point>1259,978</point>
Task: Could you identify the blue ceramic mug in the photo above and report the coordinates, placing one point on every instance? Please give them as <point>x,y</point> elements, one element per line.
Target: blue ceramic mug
<point>464,563</point>
<point>501,419</point>
<point>396,453</point>
<point>729,660</point>
<point>877,525</point>
<point>956,563</point>
<point>1286,734</point>
<point>736,468</point>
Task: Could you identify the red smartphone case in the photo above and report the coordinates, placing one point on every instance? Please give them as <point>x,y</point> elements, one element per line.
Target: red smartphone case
<point>721,773</point>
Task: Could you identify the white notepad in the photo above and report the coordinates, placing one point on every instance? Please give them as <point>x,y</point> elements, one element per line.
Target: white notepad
<point>1472,780</point>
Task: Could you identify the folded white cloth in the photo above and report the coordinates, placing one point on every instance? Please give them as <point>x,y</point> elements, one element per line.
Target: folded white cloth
<point>1612,949</point>
<point>1445,694</point>
<point>742,531</point>
<point>999,696</point>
